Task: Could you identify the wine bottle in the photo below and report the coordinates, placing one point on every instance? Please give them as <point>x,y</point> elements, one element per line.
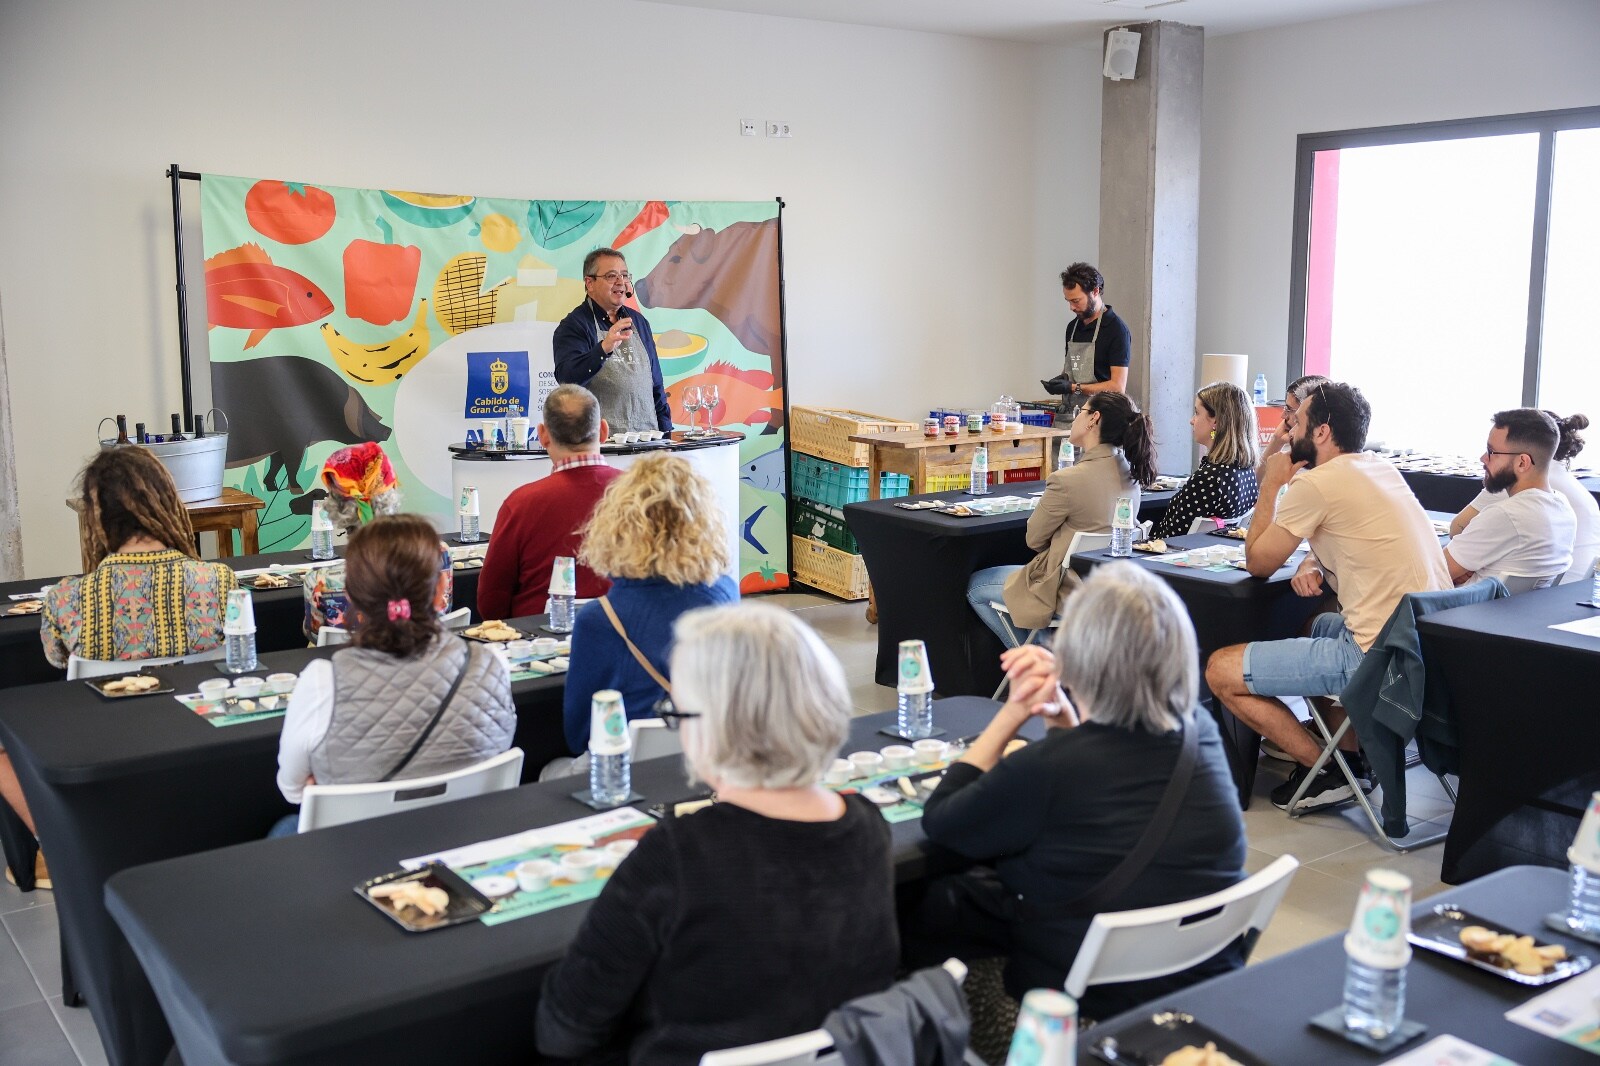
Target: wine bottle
<point>199,426</point>
<point>177,428</point>
<point>139,435</point>
<point>122,430</point>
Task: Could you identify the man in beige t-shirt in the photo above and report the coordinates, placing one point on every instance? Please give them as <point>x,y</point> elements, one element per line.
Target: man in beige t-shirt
<point>1370,539</point>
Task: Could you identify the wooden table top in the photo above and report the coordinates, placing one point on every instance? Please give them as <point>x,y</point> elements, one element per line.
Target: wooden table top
<point>230,500</point>
<point>914,439</point>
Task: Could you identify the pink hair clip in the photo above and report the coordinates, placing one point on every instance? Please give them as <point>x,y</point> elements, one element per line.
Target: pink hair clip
<point>399,609</point>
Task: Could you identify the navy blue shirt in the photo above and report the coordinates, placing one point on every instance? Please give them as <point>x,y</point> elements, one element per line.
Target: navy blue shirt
<point>578,355</point>
<point>1111,347</point>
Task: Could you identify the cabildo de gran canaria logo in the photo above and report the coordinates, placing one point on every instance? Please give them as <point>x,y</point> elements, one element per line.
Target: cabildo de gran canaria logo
<point>496,381</point>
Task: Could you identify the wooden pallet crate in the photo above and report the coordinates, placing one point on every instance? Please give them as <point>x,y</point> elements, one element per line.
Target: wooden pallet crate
<point>827,568</point>
<point>826,432</point>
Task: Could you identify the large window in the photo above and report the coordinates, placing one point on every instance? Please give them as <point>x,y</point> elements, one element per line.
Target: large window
<point>1444,270</point>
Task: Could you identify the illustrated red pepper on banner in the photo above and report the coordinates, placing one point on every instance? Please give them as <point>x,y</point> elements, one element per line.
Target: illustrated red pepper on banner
<point>380,280</point>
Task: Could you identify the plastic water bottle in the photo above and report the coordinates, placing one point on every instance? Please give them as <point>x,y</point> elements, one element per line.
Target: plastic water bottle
<point>563,591</point>
<point>467,515</point>
<point>1374,998</point>
<point>915,691</point>
<point>1067,456</point>
<point>1261,390</point>
<point>1583,910</point>
<point>1122,529</point>
<point>241,652</point>
<point>321,533</point>
<point>559,607</point>
<point>610,755</point>
<point>1594,586</point>
<point>979,485</point>
<point>239,632</point>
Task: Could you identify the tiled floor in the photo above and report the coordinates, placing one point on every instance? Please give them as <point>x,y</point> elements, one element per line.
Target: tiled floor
<point>1334,850</point>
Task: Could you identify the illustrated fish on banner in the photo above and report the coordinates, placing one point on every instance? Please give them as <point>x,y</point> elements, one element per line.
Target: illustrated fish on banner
<point>323,303</point>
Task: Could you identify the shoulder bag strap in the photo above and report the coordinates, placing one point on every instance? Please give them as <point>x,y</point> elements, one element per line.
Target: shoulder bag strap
<point>1106,895</point>
<point>616,623</point>
<point>427,731</point>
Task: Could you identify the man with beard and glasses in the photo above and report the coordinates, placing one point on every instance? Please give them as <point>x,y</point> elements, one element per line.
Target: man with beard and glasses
<point>607,347</point>
<point>1524,539</point>
<point>1370,539</point>
<point>1098,342</point>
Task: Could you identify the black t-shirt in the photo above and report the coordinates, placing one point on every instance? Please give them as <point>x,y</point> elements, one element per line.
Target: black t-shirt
<point>1111,348</point>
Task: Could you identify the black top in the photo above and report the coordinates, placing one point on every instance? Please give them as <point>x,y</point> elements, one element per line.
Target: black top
<point>724,928</point>
<point>1056,817</point>
<point>1111,348</point>
<point>1212,492</point>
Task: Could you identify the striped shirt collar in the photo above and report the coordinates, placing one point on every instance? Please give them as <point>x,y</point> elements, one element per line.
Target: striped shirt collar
<point>587,459</point>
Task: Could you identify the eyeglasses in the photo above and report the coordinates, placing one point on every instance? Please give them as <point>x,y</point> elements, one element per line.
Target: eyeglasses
<point>611,276</point>
<point>670,716</point>
<point>1491,451</point>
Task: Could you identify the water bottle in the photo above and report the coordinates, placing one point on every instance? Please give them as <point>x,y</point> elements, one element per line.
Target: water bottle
<point>467,515</point>
<point>1583,910</point>
<point>1067,456</point>
<point>610,757</point>
<point>1374,998</point>
<point>321,533</point>
<point>239,632</point>
<point>915,690</point>
<point>1122,529</point>
<point>559,607</point>
<point>563,590</point>
<point>1594,586</point>
<point>979,485</point>
<point>1376,956</point>
<point>1261,390</point>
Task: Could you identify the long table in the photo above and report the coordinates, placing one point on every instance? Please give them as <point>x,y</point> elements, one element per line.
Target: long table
<point>920,563</point>
<point>1523,697</point>
<point>1227,607</point>
<point>1266,1007</point>
<point>116,784</point>
<point>312,974</point>
<point>279,614</point>
<point>1452,492</point>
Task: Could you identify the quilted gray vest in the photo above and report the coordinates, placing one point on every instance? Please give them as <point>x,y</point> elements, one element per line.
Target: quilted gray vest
<point>381,704</point>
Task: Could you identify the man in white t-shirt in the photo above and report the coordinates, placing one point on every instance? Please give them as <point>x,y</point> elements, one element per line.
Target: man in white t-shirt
<point>1586,513</point>
<point>1525,539</point>
<point>1370,539</point>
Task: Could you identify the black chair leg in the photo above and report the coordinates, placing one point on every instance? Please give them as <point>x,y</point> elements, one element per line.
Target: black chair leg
<point>20,846</point>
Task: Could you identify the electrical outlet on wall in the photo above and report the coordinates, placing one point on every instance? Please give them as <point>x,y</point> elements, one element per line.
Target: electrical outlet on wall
<point>749,127</point>
<point>778,128</point>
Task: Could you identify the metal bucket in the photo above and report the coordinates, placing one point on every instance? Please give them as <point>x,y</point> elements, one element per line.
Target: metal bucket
<point>195,465</point>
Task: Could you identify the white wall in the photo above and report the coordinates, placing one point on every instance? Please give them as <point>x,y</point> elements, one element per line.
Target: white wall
<point>917,216</point>
<point>1454,59</point>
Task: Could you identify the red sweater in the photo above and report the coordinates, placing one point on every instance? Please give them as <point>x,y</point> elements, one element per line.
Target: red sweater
<point>538,522</point>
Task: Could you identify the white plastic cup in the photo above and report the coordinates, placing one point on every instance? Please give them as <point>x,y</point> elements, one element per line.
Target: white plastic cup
<point>838,773</point>
<point>214,689</point>
<point>929,752</point>
<point>564,576</point>
<point>545,645</point>
<point>865,763</point>
<point>281,683</point>
<point>579,866</point>
<point>240,617</point>
<point>519,433</point>
<point>520,649</point>
<point>248,688</point>
<point>1382,919</point>
<point>896,757</point>
<point>535,875</point>
<point>618,850</point>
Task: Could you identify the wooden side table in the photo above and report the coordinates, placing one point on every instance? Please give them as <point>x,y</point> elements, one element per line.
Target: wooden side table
<point>913,453</point>
<point>220,515</point>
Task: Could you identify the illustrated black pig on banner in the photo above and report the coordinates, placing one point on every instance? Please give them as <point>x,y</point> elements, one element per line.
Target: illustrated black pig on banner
<point>310,403</point>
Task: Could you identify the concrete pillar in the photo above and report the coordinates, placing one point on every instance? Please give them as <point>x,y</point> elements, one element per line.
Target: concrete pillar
<point>1150,223</point>
<point>10,517</point>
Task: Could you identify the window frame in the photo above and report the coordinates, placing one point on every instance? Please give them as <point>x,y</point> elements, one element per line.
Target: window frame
<point>1545,123</point>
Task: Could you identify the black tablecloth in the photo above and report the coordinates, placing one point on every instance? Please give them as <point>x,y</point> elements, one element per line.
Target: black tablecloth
<point>920,563</point>
<point>1452,492</point>
<point>279,616</point>
<point>1227,607</point>
<point>1266,1007</point>
<point>1524,697</point>
<point>312,974</point>
<point>113,784</point>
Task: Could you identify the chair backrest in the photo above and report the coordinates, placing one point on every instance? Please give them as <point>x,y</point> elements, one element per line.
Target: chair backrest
<point>1515,585</point>
<point>460,618</point>
<point>328,635</point>
<point>79,667</point>
<point>652,739</point>
<point>802,1049</point>
<point>325,805</point>
<point>1156,941</point>
<point>1084,542</point>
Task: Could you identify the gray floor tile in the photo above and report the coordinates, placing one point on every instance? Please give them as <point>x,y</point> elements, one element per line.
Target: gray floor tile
<point>78,1024</point>
<point>36,935</point>
<point>13,898</point>
<point>17,986</point>
<point>29,1036</point>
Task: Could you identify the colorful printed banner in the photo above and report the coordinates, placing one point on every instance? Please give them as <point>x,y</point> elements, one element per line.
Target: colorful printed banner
<point>322,300</point>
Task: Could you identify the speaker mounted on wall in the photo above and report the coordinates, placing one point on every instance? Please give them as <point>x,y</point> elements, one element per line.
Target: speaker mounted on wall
<point>1122,54</point>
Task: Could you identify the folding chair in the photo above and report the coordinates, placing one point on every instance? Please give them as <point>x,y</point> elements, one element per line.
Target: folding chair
<point>1081,542</point>
<point>81,668</point>
<point>326,805</point>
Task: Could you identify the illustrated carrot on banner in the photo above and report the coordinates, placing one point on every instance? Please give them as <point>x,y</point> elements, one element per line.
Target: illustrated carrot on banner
<point>246,290</point>
<point>380,279</point>
<point>652,215</point>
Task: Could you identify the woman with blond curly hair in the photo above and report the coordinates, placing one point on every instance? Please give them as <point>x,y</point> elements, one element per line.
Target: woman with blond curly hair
<point>658,534</point>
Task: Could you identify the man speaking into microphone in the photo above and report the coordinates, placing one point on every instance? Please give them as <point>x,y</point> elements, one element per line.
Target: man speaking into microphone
<point>607,347</point>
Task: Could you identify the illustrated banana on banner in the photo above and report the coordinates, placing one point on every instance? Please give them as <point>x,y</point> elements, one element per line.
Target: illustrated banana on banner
<point>384,363</point>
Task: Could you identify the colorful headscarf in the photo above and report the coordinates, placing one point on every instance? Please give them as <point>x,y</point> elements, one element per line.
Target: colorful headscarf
<point>359,473</point>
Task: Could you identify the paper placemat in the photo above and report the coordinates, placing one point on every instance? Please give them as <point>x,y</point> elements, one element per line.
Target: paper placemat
<point>217,714</point>
<point>1451,1049</point>
<point>499,858</point>
<point>1569,1012</point>
<point>1584,627</point>
<point>907,809</point>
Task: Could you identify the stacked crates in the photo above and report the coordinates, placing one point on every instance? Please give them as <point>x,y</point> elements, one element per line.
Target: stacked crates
<point>829,471</point>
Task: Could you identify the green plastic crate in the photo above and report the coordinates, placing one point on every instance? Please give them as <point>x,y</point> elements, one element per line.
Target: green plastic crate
<point>834,484</point>
<point>827,524</point>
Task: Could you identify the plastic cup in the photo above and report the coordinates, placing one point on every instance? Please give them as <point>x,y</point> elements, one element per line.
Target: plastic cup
<point>865,763</point>
<point>928,752</point>
<point>838,773</point>
<point>579,866</point>
<point>896,757</point>
<point>545,645</point>
<point>535,875</point>
<point>281,683</point>
<point>620,849</point>
<point>248,688</point>
<point>520,649</point>
<point>214,689</point>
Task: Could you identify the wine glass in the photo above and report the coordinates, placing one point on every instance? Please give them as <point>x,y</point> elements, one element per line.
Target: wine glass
<point>693,400</point>
<point>711,397</point>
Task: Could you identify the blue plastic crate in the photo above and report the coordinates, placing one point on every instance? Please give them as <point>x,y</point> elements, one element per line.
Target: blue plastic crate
<point>834,484</point>
<point>1044,419</point>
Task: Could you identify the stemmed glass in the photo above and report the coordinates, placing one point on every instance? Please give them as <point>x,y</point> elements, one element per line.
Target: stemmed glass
<point>711,397</point>
<point>693,401</point>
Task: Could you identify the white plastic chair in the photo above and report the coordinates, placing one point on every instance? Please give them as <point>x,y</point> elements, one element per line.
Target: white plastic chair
<point>802,1049</point>
<point>1081,542</point>
<point>652,739</point>
<point>325,805</point>
<point>78,667</point>
<point>1156,941</point>
<point>329,635</point>
<point>1516,585</point>
<point>460,618</point>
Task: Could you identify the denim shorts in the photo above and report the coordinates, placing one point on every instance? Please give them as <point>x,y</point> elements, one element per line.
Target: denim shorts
<point>1318,665</point>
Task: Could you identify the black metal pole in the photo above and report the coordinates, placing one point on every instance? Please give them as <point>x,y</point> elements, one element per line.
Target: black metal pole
<point>783,359</point>
<point>183,295</point>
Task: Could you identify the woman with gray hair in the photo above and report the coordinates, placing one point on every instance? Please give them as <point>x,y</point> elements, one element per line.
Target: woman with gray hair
<point>1056,819</point>
<point>753,918</point>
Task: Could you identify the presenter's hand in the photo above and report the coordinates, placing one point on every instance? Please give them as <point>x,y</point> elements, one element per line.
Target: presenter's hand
<point>620,331</point>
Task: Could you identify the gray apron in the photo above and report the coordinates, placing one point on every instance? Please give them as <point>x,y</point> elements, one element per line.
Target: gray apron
<point>1078,365</point>
<point>625,386</point>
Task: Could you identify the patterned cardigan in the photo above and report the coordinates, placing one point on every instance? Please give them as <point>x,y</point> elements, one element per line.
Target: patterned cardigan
<point>137,605</point>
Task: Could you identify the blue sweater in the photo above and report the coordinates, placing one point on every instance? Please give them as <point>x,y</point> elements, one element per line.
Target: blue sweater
<point>648,608</point>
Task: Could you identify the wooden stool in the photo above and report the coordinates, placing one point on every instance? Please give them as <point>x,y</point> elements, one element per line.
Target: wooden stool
<point>220,515</point>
